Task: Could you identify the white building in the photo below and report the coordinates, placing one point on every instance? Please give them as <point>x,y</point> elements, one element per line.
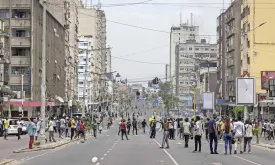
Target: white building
<point>189,57</point>
<point>180,34</point>
<point>85,50</point>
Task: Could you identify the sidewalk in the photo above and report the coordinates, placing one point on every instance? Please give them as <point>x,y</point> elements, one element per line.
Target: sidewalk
<point>264,143</point>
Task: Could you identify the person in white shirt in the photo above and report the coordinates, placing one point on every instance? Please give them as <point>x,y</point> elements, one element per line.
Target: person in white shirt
<point>248,135</point>
<point>198,134</point>
<point>175,129</point>
<point>239,133</point>
<point>186,129</point>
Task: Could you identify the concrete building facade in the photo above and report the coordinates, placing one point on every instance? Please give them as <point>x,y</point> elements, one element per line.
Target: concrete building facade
<point>229,33</point>
<point>180,34</point>
<point>189,56</point>
<point>85,50</point>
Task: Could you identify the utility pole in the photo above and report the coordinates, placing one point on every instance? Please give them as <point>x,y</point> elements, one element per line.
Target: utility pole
<point>43,82</point>
<point>84,83</point>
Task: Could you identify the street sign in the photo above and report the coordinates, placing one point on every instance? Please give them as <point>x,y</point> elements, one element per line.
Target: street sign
<point>155,103</point>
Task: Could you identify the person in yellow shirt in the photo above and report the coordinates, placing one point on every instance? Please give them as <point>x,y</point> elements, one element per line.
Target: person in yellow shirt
<point>6,127</point>
<point>72,125</point>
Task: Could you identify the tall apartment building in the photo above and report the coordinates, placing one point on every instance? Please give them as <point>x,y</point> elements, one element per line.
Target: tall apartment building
<point>97,29</point>
<point>189,56</point>
<point>231,50</point>
<point>85,50</point>
<point>24,24</point>
<point>258,43</point>
<point>180,34</point>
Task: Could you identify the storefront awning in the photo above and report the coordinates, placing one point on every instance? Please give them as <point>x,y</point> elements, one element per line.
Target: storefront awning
<point>30,103</point>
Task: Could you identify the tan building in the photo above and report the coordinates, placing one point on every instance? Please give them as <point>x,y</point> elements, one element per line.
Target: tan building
<point>23,21</point>
<point>97,29</point>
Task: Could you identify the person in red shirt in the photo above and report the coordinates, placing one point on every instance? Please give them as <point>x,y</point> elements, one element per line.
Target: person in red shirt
<point>123,129</point>
<point>82,129</point>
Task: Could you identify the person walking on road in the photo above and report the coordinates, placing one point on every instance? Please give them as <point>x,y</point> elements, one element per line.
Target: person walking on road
<point>144,124</point>
<point>51,130</point>
<point>198,133</point>
<point>175,129</point>
<point>171,128</point>
<point>31,131</point>
<point>239,134</point>
<point>19,128</point>
<point>95,128</point>
<point>62,127</point>
<point>129,126</point>
<point>206,129</point>
<point>100,127</point>
<point>6,128</point>
<point>119,127</point>
<point>153,128</point>
<point>228,129</point>
<point>248,135</point>
<point>212,127</point>
<point>71,125</point>
<point>123,130</point>
<point>186,128</point>
<point>82,129</point>
<point>134,126</point>
<point>165,134</point>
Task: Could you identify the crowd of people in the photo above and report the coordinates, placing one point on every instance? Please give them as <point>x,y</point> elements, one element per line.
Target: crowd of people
<point>234,132</point>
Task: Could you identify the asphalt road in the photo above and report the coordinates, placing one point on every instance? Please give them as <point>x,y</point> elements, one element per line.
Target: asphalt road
<point>109,149</point>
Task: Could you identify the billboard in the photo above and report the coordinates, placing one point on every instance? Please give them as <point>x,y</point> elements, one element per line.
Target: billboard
<point>208,101</point>
<point>265,77</point>
<point>246,91</point>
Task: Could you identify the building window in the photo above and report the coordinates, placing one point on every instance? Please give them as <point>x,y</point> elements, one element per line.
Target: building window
<point>20,33</point>
<point>20,70</point>
<point>20,52</point>
<point>190,48</point>
<point>248,27</point>
<point>212,50</point>
<point>21,13</point>
<point>206,49</point>
<point>248,60</point>
<point>4,13</point>
<point>81,67</point>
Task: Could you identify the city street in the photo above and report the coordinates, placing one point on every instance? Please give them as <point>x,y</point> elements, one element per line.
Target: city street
<point>108,148</point>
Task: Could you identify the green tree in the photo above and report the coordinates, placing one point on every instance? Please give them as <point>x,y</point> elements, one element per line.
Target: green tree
<point>237,110</point>
<point>167,97</point>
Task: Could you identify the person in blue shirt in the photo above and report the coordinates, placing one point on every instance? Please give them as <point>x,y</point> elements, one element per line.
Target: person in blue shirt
<point>31,131</point>
<point>212,128</point>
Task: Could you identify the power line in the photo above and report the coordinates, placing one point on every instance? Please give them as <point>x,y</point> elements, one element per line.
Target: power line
<point>143,62</point>
<point>163,46</point>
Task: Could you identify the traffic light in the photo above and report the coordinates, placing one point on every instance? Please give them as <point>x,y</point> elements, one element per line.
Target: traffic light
<point>155,81</point>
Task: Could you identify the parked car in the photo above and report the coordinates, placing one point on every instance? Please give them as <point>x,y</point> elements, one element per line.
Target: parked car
<point>12,127</point>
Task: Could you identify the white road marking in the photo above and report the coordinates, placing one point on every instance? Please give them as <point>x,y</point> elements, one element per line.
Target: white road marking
<point>97,163</point>
<point>101,158</point>
<point>108,151</point>
<point>246,160</point>
<point>216,163</point>
<point>105,154</point>
<point>167,153</point>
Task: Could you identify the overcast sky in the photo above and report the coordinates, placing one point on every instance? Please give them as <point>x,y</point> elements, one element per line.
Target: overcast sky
<point>127,40</point>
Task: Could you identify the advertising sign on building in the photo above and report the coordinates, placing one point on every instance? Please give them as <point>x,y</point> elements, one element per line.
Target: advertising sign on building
<point>265,77</point>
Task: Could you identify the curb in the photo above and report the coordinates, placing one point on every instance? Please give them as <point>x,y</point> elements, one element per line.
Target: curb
<point>7,162</point>
<point>43,148</point>
<point>46,148</point>
<point>265,146</point>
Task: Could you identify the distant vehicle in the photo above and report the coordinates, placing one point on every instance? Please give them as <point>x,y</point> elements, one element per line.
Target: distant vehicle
<point>76,114</point>
<point>12,130</point>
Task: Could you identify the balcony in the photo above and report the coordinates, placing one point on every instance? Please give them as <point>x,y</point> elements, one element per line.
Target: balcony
<point>20,23</point>
<point>20,41</point>
<point>17,79</point>
<point>20,60</point>
<point>229,49</point>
